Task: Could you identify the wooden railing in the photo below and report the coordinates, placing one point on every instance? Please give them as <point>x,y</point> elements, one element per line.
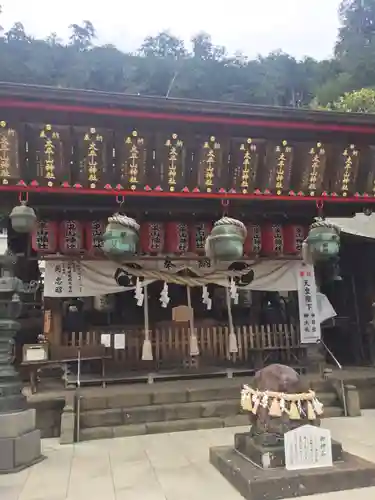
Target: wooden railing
<point>257,346</point>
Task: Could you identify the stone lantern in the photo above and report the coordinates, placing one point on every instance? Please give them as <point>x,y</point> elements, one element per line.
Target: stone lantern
<point>19,438</point>
<point>226,240</point>
<point>323,241</point>
<point>23,218</point>
<point>121,236</point>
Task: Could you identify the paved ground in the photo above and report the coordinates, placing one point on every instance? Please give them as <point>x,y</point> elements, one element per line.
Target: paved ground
<point>158,467</point>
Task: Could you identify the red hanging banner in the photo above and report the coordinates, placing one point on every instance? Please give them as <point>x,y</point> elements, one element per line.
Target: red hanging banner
<point>45,237</point>
<point>294,236</point>
<point>152,237</point>
<point>253,242</point>
<point>198,234</point>
<point>94,231</point>
<point>272,239</point>
<point>71,237</point>
<point>177,237</point>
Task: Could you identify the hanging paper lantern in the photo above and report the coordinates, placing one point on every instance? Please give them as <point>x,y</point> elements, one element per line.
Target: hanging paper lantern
<point>45,237</point>
<point>226,240</point>
<point>71,238</point>
<point>253,242</point>
<point>198,235</point>
<point>152,237</point>
<point>294,236</point>
<point>94,231</point>
<point>323,240</point>
<point>177,237</point>
<point>121,236</point>
<point>272,239</point>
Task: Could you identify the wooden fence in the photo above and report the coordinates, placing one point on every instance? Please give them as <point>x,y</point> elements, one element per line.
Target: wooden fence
<point>257,345</point>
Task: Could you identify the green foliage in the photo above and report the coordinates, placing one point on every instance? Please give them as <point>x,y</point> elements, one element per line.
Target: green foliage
<point>165,66</point>
<point>358,101</point>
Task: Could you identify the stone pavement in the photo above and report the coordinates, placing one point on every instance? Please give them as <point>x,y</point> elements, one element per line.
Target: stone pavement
<point>159,467</point>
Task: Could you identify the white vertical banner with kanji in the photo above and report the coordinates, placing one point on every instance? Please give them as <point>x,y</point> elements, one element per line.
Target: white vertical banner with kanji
<point>308,305</point>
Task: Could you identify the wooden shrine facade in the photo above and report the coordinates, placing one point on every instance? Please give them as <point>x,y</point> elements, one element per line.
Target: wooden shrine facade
<point>68,141</point>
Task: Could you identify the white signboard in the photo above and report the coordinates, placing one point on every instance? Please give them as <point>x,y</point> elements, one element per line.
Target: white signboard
<point>308,447</point>
<point>308,307</point>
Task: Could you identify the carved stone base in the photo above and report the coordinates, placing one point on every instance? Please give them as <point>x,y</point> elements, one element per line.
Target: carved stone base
<point>255,483</point>
<point>270,457</point>
<point>19,441</point>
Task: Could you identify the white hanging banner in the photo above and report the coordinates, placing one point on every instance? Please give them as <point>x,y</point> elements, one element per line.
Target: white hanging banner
<point>92,278</point>
<point>308,307</point>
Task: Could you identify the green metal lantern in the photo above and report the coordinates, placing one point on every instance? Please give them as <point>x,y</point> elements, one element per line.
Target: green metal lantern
<point>226,240</point>
<point>121,236</point>
<point>23,218</point>
<point>323,241</point>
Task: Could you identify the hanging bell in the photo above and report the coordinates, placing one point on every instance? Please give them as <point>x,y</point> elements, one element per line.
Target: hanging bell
<point>121,236</point>
<point>23,218</point>
<point>323,240</point>
<point>226,240</point>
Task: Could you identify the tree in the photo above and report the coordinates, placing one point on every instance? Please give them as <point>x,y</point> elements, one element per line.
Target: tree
<point>355,47</point>
<point>358,101</point>
<point>17,34</point>
<point>163,45</point>
<point>83,35</point>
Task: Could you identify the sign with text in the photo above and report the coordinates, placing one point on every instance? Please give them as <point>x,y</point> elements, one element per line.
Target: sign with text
<point>308,447</point>
<point>308,305</point>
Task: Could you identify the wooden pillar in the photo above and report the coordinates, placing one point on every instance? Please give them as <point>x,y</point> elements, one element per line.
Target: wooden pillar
<point>54,307</point>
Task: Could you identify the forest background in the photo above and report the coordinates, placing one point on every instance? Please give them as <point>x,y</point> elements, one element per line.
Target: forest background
<point>165,66</point>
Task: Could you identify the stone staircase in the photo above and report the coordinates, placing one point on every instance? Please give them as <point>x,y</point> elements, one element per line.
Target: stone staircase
<point>172,406</point>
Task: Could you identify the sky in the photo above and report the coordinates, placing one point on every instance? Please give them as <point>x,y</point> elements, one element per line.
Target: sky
<point>254,27</point>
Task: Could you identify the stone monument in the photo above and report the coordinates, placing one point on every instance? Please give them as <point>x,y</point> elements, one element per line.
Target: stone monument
<point>286,454</point>
<point>19,439</point>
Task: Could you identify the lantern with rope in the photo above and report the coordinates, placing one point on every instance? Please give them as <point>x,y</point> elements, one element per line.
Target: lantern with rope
<point>23,217</point>
<point>121,235</point>
<point>323,241</point>
<point>227,238</point>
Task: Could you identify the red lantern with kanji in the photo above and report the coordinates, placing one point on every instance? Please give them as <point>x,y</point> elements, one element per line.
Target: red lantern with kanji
<point>45,237</point>
<point>253,242</point>
<point>272,239</point>
<point>198,235</point>
<point>71,239</point>
<point>176,237</point>
<point>294,236</point>
<point>94,231</point>
<point>152,237</point>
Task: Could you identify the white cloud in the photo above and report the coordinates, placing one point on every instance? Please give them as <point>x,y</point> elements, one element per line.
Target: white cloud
<point>252,26</point>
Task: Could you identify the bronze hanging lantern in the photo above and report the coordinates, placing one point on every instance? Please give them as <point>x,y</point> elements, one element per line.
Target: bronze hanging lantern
<point>121,236</point>
<point>323,241</point>
<point>23,218</point>
<point>226,240</point>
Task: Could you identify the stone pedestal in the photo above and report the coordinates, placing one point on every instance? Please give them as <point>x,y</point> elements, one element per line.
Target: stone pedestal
<point>315,358</point>
<point>19,441</point>
<point>258,471</point>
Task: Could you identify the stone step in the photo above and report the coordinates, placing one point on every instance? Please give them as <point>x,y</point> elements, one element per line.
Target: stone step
<point>179,411</point>
<point>174,395</point>
<point>159,413</point>
<point>106,432</point>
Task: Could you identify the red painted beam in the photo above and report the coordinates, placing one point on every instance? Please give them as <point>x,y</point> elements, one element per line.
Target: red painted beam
<point>212,196</point>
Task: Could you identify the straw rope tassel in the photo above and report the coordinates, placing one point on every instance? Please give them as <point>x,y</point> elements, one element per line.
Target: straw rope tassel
<point>194,349</point>
<point>233,346</point>
<point>147,347</point>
